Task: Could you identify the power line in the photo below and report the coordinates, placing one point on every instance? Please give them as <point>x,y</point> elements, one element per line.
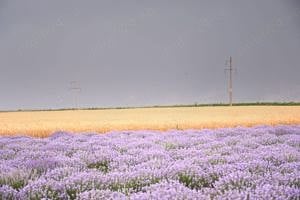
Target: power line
<point>76,89</point>
<point>230,85</point>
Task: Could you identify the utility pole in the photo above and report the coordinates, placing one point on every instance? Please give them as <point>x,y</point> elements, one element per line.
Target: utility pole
<point>76,89</point>
<point>230,69</point>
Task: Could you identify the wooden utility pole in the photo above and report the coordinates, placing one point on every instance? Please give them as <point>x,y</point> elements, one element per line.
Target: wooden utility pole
<point>76,89</point>
<point>230,69</point>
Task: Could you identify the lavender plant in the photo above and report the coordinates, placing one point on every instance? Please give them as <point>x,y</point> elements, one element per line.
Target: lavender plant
<point>231,163</point>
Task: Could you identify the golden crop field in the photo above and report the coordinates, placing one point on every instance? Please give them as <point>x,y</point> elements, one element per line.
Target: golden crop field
<point>43,123</point>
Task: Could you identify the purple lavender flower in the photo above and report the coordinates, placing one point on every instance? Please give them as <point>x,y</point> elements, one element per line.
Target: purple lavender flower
<point>262,162</point>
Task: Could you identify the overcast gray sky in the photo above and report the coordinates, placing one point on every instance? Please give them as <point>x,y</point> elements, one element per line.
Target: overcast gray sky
<point>132,53</point>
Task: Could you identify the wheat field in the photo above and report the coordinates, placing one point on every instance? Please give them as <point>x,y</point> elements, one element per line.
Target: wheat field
<point>44,123</point>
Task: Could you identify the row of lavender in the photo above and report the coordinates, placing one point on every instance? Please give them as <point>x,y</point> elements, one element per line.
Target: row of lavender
<point>239,163</point>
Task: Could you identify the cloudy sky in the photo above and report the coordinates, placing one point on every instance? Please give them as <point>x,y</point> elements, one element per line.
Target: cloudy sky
<point>132,53</point>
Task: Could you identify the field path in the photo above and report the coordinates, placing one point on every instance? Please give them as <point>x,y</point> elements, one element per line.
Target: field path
<point>43,123</point>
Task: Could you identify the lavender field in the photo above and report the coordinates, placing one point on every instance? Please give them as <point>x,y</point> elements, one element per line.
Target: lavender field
<point>234,163</point>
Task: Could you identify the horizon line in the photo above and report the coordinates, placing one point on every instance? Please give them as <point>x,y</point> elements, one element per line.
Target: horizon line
<point>291,103</point>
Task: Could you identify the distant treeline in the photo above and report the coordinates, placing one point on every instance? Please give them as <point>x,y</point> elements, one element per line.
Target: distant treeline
<point>166,106</point>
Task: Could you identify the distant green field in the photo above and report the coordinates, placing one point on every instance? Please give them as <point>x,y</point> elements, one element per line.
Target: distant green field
<point>165,106</point>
